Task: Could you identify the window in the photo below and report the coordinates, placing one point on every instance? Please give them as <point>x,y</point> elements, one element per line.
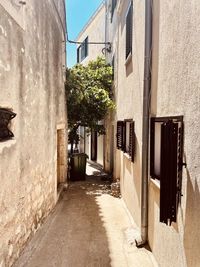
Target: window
<point>114,3</point>
<point>129,29</point>
<point>82,50</point>
<point>113,67</point>
<point>166,150</point>
<point>126,137</point>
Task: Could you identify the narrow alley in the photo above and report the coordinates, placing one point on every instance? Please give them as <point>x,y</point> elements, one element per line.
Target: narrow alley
<point>88,227</point>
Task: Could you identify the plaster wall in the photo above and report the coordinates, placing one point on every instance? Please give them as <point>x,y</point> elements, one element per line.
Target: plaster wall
<point>32,55</point>
<point>128,89</point>
<point>176,91</point>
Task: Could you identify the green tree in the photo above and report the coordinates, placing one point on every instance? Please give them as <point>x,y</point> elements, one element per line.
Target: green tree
<point>88,93</point>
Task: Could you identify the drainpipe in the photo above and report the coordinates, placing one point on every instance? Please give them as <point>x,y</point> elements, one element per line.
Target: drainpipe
<point>145,125</point>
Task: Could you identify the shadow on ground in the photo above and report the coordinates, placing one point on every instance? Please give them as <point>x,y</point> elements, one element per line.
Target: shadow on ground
<point>74,235</point>
<point>88,228</point>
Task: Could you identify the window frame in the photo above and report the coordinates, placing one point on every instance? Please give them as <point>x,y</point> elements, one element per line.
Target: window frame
<point>82,50</point>
<point>153,120</point>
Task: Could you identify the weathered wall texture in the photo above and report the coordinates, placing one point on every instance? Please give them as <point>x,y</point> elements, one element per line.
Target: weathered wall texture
<point>32,56</point>
<point>176,91</point>
<point>128,87</point>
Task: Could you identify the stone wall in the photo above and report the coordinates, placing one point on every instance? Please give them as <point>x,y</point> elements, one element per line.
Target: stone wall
<point>32,55</point>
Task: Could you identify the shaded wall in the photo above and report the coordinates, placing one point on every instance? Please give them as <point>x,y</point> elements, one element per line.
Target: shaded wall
<point>32,55</point>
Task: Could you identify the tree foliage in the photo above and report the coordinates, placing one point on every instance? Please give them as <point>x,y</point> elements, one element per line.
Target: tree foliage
<point>88,92</point>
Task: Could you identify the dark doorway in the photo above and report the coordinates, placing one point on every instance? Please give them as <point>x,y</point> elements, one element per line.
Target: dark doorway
<point>94,145</point>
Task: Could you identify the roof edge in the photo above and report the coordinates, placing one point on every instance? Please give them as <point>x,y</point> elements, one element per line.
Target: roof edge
<point>91,19</point>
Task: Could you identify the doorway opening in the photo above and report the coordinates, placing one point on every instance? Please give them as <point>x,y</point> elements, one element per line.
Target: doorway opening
<point>94,145</point>
<point>61,157</point>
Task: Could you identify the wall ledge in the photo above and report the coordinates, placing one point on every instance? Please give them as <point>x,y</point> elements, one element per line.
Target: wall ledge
<point>155,183</point>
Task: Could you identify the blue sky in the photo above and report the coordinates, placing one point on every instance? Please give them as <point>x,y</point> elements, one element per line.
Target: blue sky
<point>78,13</point>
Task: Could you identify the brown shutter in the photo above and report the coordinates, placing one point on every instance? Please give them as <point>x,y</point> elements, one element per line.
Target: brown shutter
<point>124,136</point>
<point>168,174</point>
<point>6,116</point>
<point>131,151</point>
<point>120,134</point>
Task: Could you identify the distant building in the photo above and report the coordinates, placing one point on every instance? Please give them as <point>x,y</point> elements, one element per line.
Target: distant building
<point>94,31</point>
<point>32,163</point>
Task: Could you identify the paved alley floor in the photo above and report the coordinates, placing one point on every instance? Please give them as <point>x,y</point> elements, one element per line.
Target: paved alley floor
<point>88,228</point>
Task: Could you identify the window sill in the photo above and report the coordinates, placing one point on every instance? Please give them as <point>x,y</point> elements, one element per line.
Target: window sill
<point>6,145</point>
<point>128,59</point>
<point>126,155</point>
<point>155,183</point>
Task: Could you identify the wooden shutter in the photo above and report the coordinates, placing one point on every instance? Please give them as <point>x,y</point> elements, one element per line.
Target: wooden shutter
<point>120,134</point>
<point>86,47</point>
<point>78,54</point>
<point>131,151</point>
<point>129,28</point>
<point>82,51</point>
<point>6,116</point>
<point>168,173</point>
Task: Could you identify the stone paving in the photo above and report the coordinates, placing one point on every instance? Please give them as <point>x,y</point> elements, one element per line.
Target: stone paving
<point>88,228</point>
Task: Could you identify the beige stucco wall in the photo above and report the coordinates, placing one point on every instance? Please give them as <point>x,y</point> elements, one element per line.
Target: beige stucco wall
<point>32,55</point>
<point>128,96</point>
<point>176,91</point>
